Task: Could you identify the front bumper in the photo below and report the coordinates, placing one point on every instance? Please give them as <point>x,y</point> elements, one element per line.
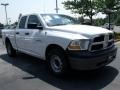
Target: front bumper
<point>86,60</point>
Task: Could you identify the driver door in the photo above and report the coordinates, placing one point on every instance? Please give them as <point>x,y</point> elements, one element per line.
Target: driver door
<point>33,37</point>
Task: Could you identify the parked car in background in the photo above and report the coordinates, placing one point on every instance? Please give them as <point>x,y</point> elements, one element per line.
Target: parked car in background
<point>106,25</point>
<point>116,29</point>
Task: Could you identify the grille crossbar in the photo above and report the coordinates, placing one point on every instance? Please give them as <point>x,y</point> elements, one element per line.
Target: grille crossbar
<point>102,42</point>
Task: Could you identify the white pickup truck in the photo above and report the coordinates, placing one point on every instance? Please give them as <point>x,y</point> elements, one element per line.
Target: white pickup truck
<point>62,42</point>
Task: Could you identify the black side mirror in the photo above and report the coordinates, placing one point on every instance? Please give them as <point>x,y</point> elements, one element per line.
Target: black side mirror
<point>40,27</point>
<point>32,26</point>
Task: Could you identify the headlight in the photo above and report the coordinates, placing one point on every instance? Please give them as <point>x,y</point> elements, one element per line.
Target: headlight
<point>79,45</point>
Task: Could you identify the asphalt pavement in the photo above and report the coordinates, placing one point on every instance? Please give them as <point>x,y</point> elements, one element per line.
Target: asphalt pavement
<point>29,73</point>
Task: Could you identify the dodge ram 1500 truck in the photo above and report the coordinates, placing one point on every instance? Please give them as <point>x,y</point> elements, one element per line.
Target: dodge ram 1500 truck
<point>61,41</point>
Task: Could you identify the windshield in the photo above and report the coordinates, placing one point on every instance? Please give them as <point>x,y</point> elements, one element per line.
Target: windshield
<point>57,20</point>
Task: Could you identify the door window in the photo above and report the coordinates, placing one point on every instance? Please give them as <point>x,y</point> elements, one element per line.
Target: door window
<point>22,22</point>
<point>33,19</point>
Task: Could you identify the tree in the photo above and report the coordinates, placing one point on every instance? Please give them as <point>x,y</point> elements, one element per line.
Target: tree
<point>117,20</point>
<point>91,7</point>
<point>83,7</point>
<point>99,22</point>
<point>110,8</point>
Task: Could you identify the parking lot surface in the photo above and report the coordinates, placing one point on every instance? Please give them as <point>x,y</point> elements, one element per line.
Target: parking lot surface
<point>28,73</point>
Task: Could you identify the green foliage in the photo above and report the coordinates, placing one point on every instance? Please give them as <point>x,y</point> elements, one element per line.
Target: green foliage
<point>117,21</point>
<point>79,6</point>
<point>92,7</point>
<point>83,7</point>
<point>108,6</point>
<point>99,22</point>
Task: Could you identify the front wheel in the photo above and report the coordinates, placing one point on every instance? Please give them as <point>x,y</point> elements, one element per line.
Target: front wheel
<point>57,62</point>
<point>10,50</point>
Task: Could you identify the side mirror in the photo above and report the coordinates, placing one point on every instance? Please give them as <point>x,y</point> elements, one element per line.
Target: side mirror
<point>40,27</point>
<point>32,26</point>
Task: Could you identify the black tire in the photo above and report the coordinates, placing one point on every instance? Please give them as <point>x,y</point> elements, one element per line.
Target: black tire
<point>10,50</point>
<point>57,62</point>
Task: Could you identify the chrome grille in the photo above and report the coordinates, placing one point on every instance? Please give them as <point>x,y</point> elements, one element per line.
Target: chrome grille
<point>102,42</point>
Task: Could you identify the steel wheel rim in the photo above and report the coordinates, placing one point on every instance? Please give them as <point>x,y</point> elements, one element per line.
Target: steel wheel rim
<point>56,63</point>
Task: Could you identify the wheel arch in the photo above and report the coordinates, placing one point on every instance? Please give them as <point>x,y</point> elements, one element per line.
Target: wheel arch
<point>7,40</point>
<point>51,46</point>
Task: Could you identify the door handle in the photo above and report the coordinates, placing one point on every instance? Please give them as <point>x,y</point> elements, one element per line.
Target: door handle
<point>17,33</point>
<point>27,33</point>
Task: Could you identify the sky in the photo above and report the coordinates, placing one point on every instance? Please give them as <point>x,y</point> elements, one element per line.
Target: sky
<point>30,6</point>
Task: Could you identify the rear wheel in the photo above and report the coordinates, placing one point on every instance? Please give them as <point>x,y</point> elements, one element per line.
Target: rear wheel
<point>57,62</point>
<point>10,50</point>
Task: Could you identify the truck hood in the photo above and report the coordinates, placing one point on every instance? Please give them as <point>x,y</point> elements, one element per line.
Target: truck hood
<point>81,29</point>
